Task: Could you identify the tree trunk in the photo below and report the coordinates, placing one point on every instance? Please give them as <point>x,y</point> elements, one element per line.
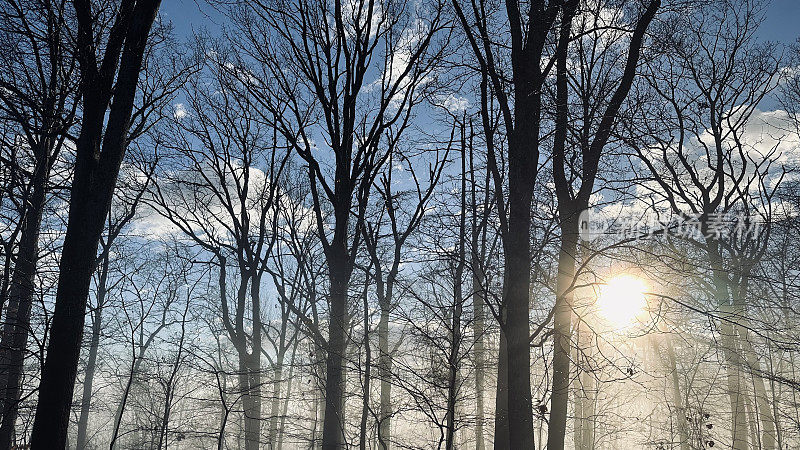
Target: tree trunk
<point>384,373</point>
<point>584,391</point>
<point>91,363</point>
<point>96,171</point>
<point>253,363</point>
<point>319,402</point>
<point>501,437</point>
<point>135,364</point>
<point>677,398</point>
<point>752,419</point>
<point>289,380</point>
<point>736,392</point>
<point>762,407</point>
<point>577,405</point>
<point>589,398</point>
<point>775,390</point>
<point>20,301</point>
<point>276,401</point>
<point>730,350</point>
<point>762,404</point>
<point>367,377</point>
<point>516,243</point>
<point>333,424</point>
<point>562,332</point>
<point>164,431</point>
<point>455,349</point>
<point>478,329</point>
<point>249,379</point>
<point>223,424</point>
<point>568,221</point>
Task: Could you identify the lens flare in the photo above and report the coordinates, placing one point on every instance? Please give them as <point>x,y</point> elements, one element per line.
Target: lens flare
<point>622,299</point>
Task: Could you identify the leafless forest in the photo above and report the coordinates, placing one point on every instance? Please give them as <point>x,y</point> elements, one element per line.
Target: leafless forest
<point>399,224</point>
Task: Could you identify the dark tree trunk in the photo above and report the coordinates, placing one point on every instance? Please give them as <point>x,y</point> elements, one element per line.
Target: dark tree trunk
<point>562,337</point>
<point>253,413</point>
<point>63,350</point>
<point>333,425</point>
<point>501,397</point>
<point>249,380</point>
<point>478,326</point>
<point>362,443</point>
<point>384,373</point>
<point>478,252</point>
<point>91,363</point>
<point>458,304</point>
<point>452,382</point>
<point>93,185</point>
<point>568,210</point>
<point>522,121</point>
<point>522,161</point>
<point>20,301</point>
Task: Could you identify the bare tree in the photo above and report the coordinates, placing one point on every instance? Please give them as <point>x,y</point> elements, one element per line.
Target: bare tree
<point>312,73</point>
<point>150,293</point>
<point>99,152</point>
<point>519,97</point>
<point>396,218</point>
<point>708,82</point>
<point>574,176</point>
<point>38,94</point>
<point>294,273</point>
<point>118,219</point>
<point>221,193</point>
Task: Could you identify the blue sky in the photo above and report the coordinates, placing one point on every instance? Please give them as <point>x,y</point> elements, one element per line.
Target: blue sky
<point>188,14</point>
<point>782,21</point>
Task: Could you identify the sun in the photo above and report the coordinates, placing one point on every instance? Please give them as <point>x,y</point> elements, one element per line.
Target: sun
<point>622,299</point>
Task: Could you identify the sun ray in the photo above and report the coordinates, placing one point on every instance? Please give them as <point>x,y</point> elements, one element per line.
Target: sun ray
<point>622,300</point>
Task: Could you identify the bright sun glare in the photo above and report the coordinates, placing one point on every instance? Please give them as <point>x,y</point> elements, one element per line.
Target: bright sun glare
<point>622,299</point>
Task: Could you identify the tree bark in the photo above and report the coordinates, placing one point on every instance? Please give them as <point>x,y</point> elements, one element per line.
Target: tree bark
<point>562,329</point>
<point>384,373</point>
<point>249,378</point>
<point>730,351</point>
<point>584,391</point>
<point>677,397</point>
<point>91,362</point>
<point>501,438</point>
<point>478,255</point>
<point>20,301</point>
<point>290,378</point>
<point>522,167</point>
<point>333,424</point>
<point>136,362</point>
<point>762,408</point>
<point>253,360</point>
<point>95,177</point>
<point>275,407</point>
<point>367,376</point>
<point>478,329</point>
<point>458,302</point>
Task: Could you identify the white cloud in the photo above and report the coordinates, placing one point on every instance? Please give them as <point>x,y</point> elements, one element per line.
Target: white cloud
<point>452,103</point>
<point>179,111</point>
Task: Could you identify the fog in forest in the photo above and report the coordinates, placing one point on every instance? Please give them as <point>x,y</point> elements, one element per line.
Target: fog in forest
<point>399,224</point>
